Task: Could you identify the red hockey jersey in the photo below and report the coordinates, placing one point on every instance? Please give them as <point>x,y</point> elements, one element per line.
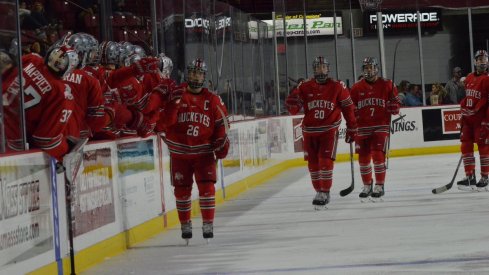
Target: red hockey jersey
<point>48,105</point>
<point>323,105</point>
<point>89,115</point>
<point>474,105</point>
<point>195,125</point>
<point>371,100</point>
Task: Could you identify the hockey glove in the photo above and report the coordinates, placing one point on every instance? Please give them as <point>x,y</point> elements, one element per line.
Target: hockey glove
<point>293,104</point>
<point>221,147</point>
<point>484,132</point>
<point>176,94</point>
<point>393,107</point>
<point>147,65</point>
<point>350,135</point>
<point>163,90</point>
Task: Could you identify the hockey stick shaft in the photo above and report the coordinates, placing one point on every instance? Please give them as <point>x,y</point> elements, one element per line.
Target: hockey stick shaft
<point>221,166</point>
<point>350,188</point>
<point>72,163</point>
<point>390,116</point>
<point>450,184</point>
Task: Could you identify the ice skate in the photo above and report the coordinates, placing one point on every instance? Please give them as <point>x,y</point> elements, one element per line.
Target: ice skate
<point>377,193</point>
<point>208,231</point>
<point>187,231</point>
<point>482,185</point>
<point>469,183</point>
<point>320,200</point>
<point>366,192</point>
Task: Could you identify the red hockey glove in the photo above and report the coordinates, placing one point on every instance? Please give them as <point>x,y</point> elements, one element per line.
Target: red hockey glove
<point>128,94</point>
<point>350,135</point>
<point>147,65</point>
<point>146,128</point>
<point>163,90</point>
<point>293,104</point>
<point>393,107</point>
<point>111,96</point>
<point>221,147</point>
<point>176,94</point>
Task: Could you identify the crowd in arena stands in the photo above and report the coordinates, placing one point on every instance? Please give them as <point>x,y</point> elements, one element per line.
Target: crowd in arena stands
<point>451,93</point>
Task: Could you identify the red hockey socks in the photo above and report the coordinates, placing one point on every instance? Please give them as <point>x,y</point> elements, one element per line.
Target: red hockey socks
<point>484,156</point>
<point>325,174</point>
<point>467,149</point>
<point>365,168</point>
<point>314,172</point>
<point>207,200</point>
<point>184,202</point>
<point>379,167</point>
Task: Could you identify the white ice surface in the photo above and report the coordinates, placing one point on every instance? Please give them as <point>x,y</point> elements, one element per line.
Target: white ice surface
<point>273,229</point>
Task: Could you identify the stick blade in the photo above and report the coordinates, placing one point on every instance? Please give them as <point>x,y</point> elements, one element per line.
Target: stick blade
<point>442,189</point>
<point>346,191</point>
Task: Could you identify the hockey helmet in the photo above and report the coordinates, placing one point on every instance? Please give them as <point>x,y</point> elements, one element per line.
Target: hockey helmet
<point>93,55</point>
<point>481,60</point>
<point>321,69</point>
<point>196,69</point>
<point>139,50</point>
<point>166,65</point>
<point>370,68</point>
<point>109,53</point>
<point>61,60</point>
<point>133,58</point>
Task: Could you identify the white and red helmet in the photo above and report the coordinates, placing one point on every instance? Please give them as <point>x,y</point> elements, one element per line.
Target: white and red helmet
<point>166,65</point>
<point>370,68</point>
<point>109,53</point>
<point>481,61</point>
<point>61,60</point>
<point>197,65</point>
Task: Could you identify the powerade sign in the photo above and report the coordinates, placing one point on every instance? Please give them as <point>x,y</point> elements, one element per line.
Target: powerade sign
<point>396,21</point>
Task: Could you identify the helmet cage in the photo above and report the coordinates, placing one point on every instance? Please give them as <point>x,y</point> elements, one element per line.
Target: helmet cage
<point>61,60</point>
<point>481,60</point>
<point>370,68</point>
<point>318,63</point>
<point>198,65</point>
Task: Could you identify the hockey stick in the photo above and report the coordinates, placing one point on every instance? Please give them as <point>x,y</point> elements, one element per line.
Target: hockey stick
<point>221,166</point>
<point>450,184</point>
<point>72,163</point>
<point>390,116</point>
<point>350,188</point>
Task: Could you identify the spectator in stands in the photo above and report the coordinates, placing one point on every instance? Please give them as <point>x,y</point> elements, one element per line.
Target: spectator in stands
<point>455,87</point>
<point>438,94</point>
<point>119,7</point>
<point>36,19</point>
<point>412,97</point>
<point>403,90</point>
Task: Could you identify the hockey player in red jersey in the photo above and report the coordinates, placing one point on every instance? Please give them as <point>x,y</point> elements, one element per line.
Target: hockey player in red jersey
<point>375,100</point>
<point>48,103</point>
<point>475,124</point>
<point>196,136</point>
<point>89,115</point>
<point>324,100</point>
<point>157,87</point>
